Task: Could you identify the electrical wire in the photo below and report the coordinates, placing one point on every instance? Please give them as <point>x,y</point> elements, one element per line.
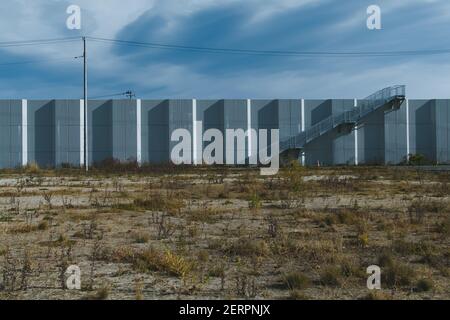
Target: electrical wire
<point>166,46</point>
<point>34,61</point>
<point>269,52</point>
<point>8,44</point>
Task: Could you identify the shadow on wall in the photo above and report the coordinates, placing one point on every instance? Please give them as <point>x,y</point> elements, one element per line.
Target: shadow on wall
<point>425,139</point>
<point>321,149</point>
<point>321,112</point>
<point>213,118</point>
<point>374,138</point>
<point>45,136</point>
<point>102,135</point>
<point>268,118</point>
<point>158,133</point>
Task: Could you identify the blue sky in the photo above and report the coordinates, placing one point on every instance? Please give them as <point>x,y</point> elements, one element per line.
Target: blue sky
<point>301,25</point>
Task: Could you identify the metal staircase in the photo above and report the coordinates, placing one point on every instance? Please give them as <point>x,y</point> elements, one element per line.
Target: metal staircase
<point>388,97</point>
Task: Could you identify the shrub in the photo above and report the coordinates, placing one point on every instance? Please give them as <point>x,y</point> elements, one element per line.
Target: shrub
<point>217,271</point>
<point>147,260</point>
<point>424,285</point>
<point>297,295</point>
<point>346,217</point>
<point>377,295</point>
<point>386,259</point>
<point>249,247</point>
<point>3,251</point>
<point>417,160</point>
<point>351,268</point>
<point>296,281</point>
<point>120,255</point>
<point>168,262</point>
<point>27,228</point>
<point>43,225</point>
<point>102,293</point>
<point>141,237</point>
<point>444,227</point>
<point>398,275</point>
<point>32,168</point>
<point>419,208</point>
<point>160,203</point>
<point>331,277</point>
<point>176,265</point>
<point>22,228</point>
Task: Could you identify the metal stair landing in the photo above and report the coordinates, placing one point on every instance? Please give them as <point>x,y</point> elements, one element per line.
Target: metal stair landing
<point>391,97</point>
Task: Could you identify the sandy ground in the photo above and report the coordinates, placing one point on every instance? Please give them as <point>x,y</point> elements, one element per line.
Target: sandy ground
<point>306,234</point>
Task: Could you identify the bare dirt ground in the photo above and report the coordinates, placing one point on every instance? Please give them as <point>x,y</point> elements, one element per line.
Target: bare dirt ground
<point>216,233</point>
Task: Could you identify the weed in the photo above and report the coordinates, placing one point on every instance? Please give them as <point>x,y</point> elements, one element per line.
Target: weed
<point>363,240</point>
<point>298,295</point>
<point>377,295</point>
<point>296,281</point>
<point>246,286</point>
<point>140,237</point>
<point>47,195</point>
<point>424,285</point>
<point>168,262</point>
<point>248,247</point>
<point>255,202</point>
<point>398,275</point>
<point>331,276</point>
<point>101,293</point>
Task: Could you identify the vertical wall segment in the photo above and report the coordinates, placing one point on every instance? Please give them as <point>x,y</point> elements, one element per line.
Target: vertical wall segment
<point>112,130</point>
<point>11,125</point>
<point>53,132</point>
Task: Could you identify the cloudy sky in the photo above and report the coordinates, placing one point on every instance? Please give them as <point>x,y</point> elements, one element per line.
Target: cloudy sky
<point>294,25</point>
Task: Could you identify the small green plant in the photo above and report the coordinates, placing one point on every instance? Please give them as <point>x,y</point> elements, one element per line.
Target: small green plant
<point>363,239</point>
<point>255,202</point>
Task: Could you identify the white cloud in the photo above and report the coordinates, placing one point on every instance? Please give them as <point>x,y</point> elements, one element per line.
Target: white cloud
<point>46,19</point>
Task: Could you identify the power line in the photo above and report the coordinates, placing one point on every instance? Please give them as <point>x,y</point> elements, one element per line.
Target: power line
<point>35,61</point>
<point>234,51</point>
<point>37,42</point>
<point>268,52</point>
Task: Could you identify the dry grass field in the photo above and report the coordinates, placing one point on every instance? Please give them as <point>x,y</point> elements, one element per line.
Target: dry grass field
<point>308,233</point>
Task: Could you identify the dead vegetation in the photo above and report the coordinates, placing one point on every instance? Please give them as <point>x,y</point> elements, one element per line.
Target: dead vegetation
<point>169,232</point>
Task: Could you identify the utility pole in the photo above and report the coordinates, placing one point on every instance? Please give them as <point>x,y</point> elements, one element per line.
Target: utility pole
<point>86,157</point>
